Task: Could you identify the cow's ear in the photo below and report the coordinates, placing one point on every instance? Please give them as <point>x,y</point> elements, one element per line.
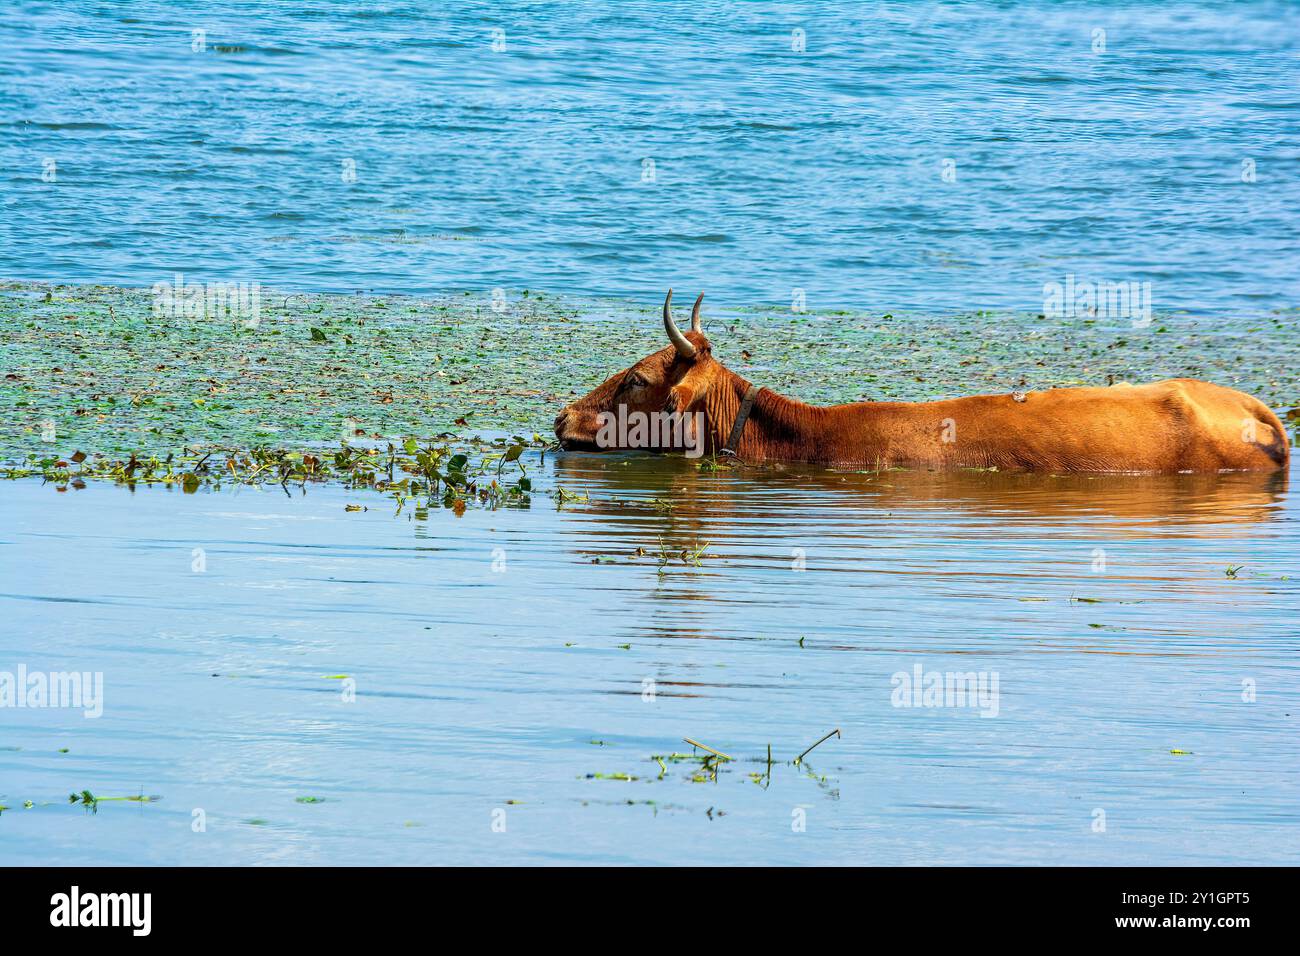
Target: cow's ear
<point>693,385</point>
<point>680,398</point>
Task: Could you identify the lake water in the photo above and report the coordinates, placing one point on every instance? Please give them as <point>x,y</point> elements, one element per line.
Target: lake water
<point>938,156</point>
<point>535,656</point>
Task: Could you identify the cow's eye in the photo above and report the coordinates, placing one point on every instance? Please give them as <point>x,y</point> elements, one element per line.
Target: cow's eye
<point>636,381</point>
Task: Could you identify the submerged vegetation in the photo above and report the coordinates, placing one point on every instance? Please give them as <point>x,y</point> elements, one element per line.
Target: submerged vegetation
<point>438,473</point>
<point>704,764</point>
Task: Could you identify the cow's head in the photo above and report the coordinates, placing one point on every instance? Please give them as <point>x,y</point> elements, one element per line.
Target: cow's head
<point>674,380</point>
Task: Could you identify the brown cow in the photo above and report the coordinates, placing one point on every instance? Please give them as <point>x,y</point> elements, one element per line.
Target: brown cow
<point>1178,425</point>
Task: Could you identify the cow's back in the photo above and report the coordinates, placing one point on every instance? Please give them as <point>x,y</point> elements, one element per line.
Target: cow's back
<point>1168,426</point>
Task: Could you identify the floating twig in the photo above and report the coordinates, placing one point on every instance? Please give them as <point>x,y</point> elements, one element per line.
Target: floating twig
<point>719,753</point>
<point>799,759</point>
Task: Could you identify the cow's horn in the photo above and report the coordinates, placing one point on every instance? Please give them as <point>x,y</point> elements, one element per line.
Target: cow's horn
<point>696,326</point>
<point>684,348</point>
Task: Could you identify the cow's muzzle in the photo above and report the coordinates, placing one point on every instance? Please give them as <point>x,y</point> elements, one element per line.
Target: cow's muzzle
<point>570,437</point>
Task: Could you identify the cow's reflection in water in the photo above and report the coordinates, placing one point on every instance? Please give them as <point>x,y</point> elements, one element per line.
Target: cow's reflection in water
<point>688,494</point>
<point>894,557</point>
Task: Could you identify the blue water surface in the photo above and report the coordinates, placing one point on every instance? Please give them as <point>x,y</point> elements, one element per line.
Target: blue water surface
<point>938,156</point>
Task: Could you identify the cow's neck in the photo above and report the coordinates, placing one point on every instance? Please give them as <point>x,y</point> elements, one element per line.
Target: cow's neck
<point>777,429</point>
